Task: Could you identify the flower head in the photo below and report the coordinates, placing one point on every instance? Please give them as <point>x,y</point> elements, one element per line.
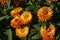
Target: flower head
<point>16,12</point>
<point>26,17</point>
<point>22,32</point>
<point>49,29</point>
<point>16,22</point>
<point>48,32</point>
<point>45,13</point>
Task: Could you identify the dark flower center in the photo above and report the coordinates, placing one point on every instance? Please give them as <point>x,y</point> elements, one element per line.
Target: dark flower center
<point>16,20</point>
<point>46,12</point>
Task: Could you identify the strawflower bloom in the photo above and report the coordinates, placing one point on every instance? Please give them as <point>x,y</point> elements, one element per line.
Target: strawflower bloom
<point>48,32</point>
<point>16,12</point>
<point>22,32</point>
<point>45,13</point>
<point>16,22</point>
<point>26,17</point>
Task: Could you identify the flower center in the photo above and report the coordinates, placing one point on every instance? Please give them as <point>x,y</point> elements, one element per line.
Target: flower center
<point>46,12</point>
<point>16,20</point>
<point>25,16</point>
<point>22,30</point>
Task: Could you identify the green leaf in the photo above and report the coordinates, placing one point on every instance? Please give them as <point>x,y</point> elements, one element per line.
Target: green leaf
<point>33,1</point>
<point>8,3</point>
<point>30,2</point>
<point>52,6</point>
<point>57,37</point>
<point>3,17</point>
<point>9,33</point>
<point>36,27</point>
<point>58,24</point>
<point>58,3</point>
<point>24,38</point>
<point>8,17</point>
<point>37,36</point>
<point>33,31</point>
<point>29,8</point>
<point>56,9</point>
<point>10,7</point>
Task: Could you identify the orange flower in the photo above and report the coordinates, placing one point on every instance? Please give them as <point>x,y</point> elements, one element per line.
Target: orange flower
<point>16,12</point>
<point>26,17</point>
<point>48,32</point>
<point>16,22</point>
<point>3,1</point>
<point>45,13</point>
<point>43,31</point>
<point>22,32</point>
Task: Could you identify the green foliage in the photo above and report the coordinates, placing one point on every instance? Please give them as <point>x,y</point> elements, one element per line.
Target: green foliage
<point>8,33</point>
<point>36,36</point>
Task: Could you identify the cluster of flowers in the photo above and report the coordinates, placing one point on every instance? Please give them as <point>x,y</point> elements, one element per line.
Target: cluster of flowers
<point>20,21</point>
<point>24,18</point>
<point>47,31</point>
